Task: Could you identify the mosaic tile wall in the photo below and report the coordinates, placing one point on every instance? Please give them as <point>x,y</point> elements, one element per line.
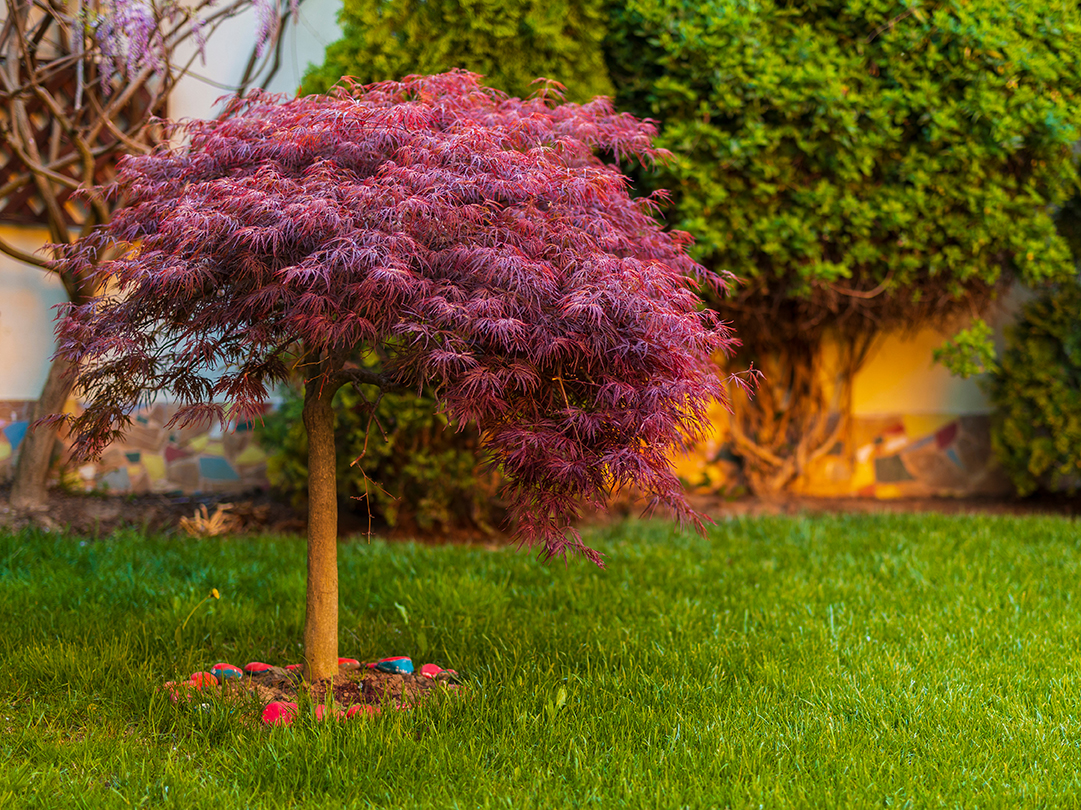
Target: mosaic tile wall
<point>895,457</point>
<point>882,457</point>
<point>153,458</point>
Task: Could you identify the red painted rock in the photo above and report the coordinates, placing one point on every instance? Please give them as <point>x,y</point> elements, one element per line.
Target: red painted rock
<point>255,667</point>
<point>202,680</point>
<point>348,664</point>
<point>362,708</point>
<point>396,665</point>
<point>223,671</point>
<point>279,713</point>
<point>294,667</point>
<point>433,671</point>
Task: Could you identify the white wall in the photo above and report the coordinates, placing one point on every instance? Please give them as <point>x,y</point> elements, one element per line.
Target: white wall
<point>227,53</point>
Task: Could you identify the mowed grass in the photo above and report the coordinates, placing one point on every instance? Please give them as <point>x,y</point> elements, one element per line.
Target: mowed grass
<point>860,661</point>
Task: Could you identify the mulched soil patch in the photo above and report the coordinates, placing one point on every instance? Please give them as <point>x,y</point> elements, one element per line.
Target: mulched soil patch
<point>354,688</point>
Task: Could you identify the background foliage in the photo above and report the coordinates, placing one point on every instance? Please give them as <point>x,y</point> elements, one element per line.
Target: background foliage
<point>1036,391</point>
<point>863,164</point>
<point>510,42</point>
<point>412,468</point>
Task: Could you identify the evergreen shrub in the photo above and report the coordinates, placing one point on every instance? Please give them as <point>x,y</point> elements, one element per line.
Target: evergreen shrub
<point>1036,391</point>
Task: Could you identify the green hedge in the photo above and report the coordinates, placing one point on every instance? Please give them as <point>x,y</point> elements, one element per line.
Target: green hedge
<point>510,42</point>
<point>1036,391</point>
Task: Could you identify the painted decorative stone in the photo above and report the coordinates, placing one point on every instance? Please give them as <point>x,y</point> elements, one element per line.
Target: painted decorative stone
<point>203,679</point>
<point>322,713</point>
<point>279,713</point>
<point>294,667</point>
<point>432,670</point>
<point>255,667</point>
<point>223,671</point>
<point>396,665</point>
<point>362,708</point>
<point>348,664</point>
<point>175,690</point>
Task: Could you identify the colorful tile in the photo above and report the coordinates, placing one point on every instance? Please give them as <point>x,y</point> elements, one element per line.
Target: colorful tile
<point>891,469</point>
<point>173,453</point>
<point>117,480</point>
<point>15,432</point>
<point>946,435</point>
<point>217,469</point>
<point>253,454</point>
<point>155,466</point>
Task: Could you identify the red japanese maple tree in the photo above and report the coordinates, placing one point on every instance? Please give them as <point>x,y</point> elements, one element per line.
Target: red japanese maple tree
<point>475,243</point>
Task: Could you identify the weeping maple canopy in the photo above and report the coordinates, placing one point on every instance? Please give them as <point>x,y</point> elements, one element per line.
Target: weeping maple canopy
<point>475,243</point>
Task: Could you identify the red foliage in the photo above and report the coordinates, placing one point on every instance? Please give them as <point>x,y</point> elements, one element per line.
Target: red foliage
<point>476,243</point>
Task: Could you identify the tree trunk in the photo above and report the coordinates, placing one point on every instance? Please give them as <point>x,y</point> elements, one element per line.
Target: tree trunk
<point>36,449</point>
<point>321,618</point>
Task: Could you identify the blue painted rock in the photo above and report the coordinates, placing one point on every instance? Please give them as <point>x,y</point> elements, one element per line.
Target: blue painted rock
<point>257,667</point>
<point>223,671</point>
<point>348,664</point>
<point>279,713</point>
<point>202,680</point>
<point>396,665</point>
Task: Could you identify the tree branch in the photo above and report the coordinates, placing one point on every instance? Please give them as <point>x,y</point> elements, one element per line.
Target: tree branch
<point>19,255</point>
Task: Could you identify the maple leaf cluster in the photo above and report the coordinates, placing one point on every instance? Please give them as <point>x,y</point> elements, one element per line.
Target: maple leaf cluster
<point>477,244</point>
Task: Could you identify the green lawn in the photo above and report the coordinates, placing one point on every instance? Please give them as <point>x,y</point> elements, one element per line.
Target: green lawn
<point>862,661</point>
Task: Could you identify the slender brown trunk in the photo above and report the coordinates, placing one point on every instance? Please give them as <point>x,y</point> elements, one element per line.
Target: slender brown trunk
<point>321,618</point>
<point>36,449</point>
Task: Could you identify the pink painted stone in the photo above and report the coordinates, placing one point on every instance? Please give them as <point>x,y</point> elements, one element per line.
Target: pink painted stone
<point>294,667</point>
<point>175,689</point>
<point>362,708</point>
<point>431,670</point>
<point>279,713</point>
<point>223,671</point>
<point>255,667</point>
<point>322,713</point>
<point>349,664</point>
<point>202,680</point>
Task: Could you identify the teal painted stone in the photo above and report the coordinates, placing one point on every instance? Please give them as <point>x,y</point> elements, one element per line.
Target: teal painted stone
<point>223,671</point>
<point>396,665</point>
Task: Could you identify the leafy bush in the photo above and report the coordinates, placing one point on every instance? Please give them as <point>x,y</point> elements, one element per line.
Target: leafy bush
<point>421,474</point>
<point>510,42</point>
<point>1036,391</point>
<point>863,164</point>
